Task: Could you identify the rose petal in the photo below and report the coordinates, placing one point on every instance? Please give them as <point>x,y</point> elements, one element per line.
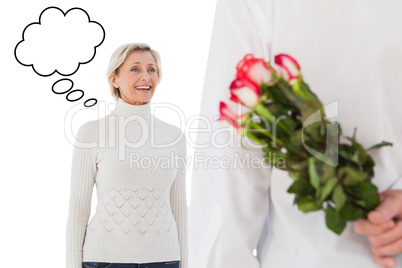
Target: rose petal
<point>289,66</point>
<point>245,92</point>
<point>255,69</point>
<point>229,115</point>
<point>259,73</point>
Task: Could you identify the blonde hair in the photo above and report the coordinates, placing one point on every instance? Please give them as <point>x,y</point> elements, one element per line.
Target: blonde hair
<point>120,55</point>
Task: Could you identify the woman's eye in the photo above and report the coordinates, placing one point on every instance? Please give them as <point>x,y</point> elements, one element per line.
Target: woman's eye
<point>152,70</point>
<point>134,69</point>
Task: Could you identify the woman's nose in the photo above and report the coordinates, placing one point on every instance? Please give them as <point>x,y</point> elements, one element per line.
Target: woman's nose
<point>145,76</point>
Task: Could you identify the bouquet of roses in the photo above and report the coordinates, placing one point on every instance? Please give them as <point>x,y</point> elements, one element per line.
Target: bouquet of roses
<point>288,121</point>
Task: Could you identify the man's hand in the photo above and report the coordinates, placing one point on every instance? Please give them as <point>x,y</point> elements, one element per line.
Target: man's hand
<point>383,228</point>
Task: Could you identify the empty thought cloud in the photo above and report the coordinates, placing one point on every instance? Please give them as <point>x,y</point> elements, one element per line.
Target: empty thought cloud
<point>59,42</point>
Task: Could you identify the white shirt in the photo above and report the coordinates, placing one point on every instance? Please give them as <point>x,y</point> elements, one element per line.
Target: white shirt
<point>349,52</point>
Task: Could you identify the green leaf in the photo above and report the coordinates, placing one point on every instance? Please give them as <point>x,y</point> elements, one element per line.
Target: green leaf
<point>314,178</point>
<point>297,164</point>
<point>351,176</point>
<point>296,139</point>
<point>307,205</point>
<point>329,186</point>
<point>360,154</point>
<point>368,167</point>
<point>286,89</point>
<point>355,157</point>
<point>310,107</point>
<point>379,145</point>
<point>295,175</point>
<point>351,212</point>
<point>339,197</point>
<point>301,187</point>
<point>277,95</point>
<point>369,194</point>
<point>334,221</point>
<point>327,171</point>
<point>346,151</point>
<point>300,89</point>
<point>360,203</point>
<point>288,122</point>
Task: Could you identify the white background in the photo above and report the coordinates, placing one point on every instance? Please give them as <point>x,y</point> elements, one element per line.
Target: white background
<point>36,154</point>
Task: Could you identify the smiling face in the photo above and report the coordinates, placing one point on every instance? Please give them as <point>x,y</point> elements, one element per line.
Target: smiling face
<point>137,78</point>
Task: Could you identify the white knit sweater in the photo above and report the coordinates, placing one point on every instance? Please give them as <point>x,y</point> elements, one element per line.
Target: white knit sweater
<point>138,164</point>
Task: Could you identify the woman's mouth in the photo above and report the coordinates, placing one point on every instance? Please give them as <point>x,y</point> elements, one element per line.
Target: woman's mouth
<point>143,87</point>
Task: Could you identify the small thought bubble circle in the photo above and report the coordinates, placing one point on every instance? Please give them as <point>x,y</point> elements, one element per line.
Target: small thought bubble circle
<point>66,85</point>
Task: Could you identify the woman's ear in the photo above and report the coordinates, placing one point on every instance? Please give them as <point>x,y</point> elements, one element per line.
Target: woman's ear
<point>113,79</point>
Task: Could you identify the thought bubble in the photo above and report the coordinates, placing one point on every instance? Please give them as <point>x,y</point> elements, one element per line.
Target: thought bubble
<point>60,42</point>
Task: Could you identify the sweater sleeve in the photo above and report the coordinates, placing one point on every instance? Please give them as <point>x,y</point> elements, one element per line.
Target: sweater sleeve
<point>83,173</point>
<point>178,202</point>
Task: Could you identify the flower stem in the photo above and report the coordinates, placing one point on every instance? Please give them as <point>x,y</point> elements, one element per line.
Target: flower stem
<point>262,130</point>
<point>261,110</point>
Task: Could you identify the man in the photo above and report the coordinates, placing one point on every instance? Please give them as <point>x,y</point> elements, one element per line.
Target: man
<point>350,53</point>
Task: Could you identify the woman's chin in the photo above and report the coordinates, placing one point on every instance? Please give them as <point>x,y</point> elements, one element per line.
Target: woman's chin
<point>138,100</point>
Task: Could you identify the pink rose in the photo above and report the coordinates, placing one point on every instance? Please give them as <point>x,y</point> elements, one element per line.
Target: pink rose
<point>243,91</point>
<point>256,70</point>
<point>229,115</point>
<point>288,66</point>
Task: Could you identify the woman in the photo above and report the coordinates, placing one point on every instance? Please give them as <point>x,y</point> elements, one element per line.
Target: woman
<point>141,214</point>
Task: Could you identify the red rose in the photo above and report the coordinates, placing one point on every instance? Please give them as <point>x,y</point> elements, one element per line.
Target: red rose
<point>288,66</point>
<point>243,91</point>
<point>229,115</point>
<point>256,70</point>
